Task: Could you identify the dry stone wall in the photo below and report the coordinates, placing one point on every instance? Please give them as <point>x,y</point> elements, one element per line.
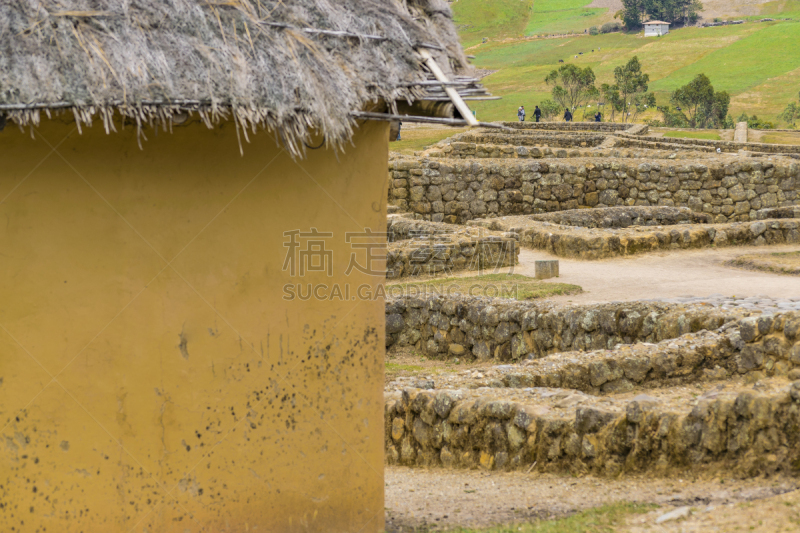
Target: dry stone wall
<point>591,243</point>
<point>702,356</point>
<point>605,127</point>
<point>455,191</point>
<point>623,217</point>
<point>462,150</point>
<point>508,330</point>
<point>742,433</point>
<point>703,144</point>
<point>541,414</point>
<point>552,139</point>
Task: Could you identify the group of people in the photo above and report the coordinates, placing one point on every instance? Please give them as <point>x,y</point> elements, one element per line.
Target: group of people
<point>537,113</point>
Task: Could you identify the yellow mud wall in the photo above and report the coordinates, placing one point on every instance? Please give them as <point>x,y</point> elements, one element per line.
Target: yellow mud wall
<point>155,374</point>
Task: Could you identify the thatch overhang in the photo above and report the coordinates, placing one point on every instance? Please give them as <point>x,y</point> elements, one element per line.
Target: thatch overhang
<point>290,66</point>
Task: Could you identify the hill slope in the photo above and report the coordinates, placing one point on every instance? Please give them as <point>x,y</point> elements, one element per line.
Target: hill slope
<point>757,63</point>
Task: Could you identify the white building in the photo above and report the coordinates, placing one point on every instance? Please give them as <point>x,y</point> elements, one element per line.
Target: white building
<point>656,28</point>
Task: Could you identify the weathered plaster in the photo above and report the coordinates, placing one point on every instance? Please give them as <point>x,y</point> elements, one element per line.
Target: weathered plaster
<point>152,378</point>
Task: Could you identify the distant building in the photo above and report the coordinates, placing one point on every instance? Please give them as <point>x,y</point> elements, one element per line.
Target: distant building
<point>656,28</point>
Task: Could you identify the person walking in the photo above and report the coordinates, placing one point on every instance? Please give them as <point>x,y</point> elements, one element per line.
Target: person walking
<point>537,113</point>
<point>521,113</point>
<point>567,116</point>
<point>598,117</point>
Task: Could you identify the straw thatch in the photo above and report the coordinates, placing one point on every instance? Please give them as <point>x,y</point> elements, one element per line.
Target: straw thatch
<point>288,65</point>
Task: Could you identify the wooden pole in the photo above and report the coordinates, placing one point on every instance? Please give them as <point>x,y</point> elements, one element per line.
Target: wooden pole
<point>462,107</point>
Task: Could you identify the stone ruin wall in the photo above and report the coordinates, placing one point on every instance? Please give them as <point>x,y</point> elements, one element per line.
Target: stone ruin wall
<point>418,247</point>
<point>458,191</point>
<point>627,141</point>
<point>509,330</point>
<point>591,244</point>
<point>743,432</point>
<point>605,127</point>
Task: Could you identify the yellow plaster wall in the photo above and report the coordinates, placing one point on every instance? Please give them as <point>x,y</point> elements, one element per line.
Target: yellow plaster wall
<point>152,377</point>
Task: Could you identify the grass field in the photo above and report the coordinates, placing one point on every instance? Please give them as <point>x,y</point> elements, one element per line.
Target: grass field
<point>598,520</point>
<point>692,135</point>
<point>415,138</point>
<point>757,63</point>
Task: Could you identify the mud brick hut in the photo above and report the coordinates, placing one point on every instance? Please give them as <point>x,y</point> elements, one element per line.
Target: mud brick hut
<point>175,176</point>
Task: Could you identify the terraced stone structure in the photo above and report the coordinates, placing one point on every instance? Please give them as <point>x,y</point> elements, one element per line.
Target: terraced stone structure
<point>680,387</point>
<point>532,169</point>
<point>617,411</point>
<point>612,232</point>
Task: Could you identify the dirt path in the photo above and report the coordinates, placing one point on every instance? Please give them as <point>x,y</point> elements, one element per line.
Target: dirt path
<point>419,499</point>
<point>667,275</point>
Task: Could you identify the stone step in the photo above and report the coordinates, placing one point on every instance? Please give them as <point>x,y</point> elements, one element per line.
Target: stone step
<point>760,346</point>
<point>738,428</point>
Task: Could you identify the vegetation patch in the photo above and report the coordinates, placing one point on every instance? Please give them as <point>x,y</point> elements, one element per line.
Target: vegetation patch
<point>511,286</point>
<point>416,139</point>
<point>781,138</point>
<point>708,135</point>
<point>607,518</point>
<point>779,263</point>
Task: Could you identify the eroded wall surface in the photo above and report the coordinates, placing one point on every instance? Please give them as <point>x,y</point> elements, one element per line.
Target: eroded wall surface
<point>155,373</point>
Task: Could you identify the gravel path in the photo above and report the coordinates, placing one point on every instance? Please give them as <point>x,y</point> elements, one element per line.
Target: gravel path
<point>676,274</point>
<point>441,499</point>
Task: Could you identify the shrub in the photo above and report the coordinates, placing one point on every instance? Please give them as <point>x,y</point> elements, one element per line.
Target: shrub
<point>759,124</point>
<point>756,123</point>
<point>673,118</point>
<point>609,27</point>
<point>550,109</point>
<point>593,30</point>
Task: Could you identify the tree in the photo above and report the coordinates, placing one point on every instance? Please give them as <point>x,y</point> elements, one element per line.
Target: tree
<point>612,100</point>
<point>791,114</point>
<point>631,81</point>
<point>572,86</point>
<point>700,104</point>
<point>632,13</point>
<point>640,103</point>
<point>674,118</point>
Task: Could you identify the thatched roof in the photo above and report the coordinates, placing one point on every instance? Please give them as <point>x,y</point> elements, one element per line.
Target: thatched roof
<point>286,65</point>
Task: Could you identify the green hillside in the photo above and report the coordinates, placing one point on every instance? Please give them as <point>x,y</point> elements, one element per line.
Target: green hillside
<point>503,19</point>
<point>757,63</point>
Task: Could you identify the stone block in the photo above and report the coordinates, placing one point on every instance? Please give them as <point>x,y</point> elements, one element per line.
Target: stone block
<point>546,269</point>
